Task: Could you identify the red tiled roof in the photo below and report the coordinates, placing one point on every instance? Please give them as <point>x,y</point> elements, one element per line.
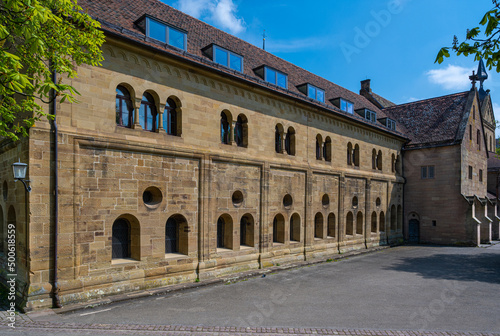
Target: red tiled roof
<point>435,121</point>
<point>117,17</point>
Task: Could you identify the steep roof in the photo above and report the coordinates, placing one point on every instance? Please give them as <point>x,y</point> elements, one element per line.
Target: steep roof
<point>117,18</point>
<point>435,121</point>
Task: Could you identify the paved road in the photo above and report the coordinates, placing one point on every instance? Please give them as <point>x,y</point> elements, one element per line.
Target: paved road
<point>405,288</point>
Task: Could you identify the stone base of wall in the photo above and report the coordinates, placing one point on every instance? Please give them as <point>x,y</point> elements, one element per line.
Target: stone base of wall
<point>225,266</point>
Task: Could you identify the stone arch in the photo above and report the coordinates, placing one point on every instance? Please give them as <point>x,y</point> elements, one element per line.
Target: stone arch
<point>176,235</point>
<point>327,149</point>
<point>290,141</point>
<point>241,131</point>
<point>224,231</point>
<point>278,138</point>
<point>381,222</point>
<point>331,229</point>
<point>295,227</point>
<point>349,224</point>
<point>374,222</point>
<point>172,116</point>
<point>226,120</point>
<point>126,238</point>
<point>247,225</point>
<point>318,225</point>
<point>319,147</point>
<point>359,223</point>
<point>279,229</point>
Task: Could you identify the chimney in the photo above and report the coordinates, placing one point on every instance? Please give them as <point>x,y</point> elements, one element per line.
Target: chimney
<point>365,87</point>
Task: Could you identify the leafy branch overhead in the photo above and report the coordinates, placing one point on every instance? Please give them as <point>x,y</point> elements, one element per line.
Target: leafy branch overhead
<point>482,42</point>
<point>36,38</point>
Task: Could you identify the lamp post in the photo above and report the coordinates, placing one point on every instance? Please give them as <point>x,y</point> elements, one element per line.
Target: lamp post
<point>19,170</point>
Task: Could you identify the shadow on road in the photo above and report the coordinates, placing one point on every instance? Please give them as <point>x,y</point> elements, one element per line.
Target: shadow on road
<point>483,267</point>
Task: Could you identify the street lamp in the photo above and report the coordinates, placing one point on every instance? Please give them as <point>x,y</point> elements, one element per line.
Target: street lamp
<point>19,170</point>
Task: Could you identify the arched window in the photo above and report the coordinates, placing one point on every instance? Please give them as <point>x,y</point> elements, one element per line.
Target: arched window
<point>331,225</point>
<point>246,231</point>
<point>400,218</point>
<point>225,128</point>
<point>319,147</point>
<point>349,154</point>
<point>171,120</point>
<point>359,223</point>
<point>379,160</point>
<point>147,113</point>
<point>478,139</point>
<point>279,229</point>
<point>318,225</point>
<point>393,218</point>
<point>349,224</point>
<point>121,239</point>
<point>224,232</point>
<point>241,131</point>
<point>295,227</point>
<point>290,141</point>
<point>124,107</point>
<point>356,155</point>
<point>278,138</point>
<point>171,236</point>
<point>327,149</point>
<point>393,163</point>
<point>382,222</point>
<point>374,222</point>
<point>374,158</point>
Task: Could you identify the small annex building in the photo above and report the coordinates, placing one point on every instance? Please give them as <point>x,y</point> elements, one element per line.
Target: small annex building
<point>193,154</point>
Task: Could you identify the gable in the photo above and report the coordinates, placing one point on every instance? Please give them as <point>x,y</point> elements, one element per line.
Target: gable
<point>487,113</point>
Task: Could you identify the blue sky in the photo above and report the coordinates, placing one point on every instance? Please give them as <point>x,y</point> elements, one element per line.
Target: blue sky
<point>392,42</point>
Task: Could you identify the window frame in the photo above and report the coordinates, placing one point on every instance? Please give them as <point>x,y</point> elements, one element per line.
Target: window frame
<point>347,104</point>
<point>427,172</point>
<point>126,100</point>
<point>316,89</point>
<point>266,68</point>
<point>229,53</point>
<point>167,33</point>
<point>391,124</point>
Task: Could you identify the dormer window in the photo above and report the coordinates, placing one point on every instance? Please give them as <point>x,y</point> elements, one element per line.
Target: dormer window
<point>224,57</point>
<point>368,115</point>
<point>389,123</point>
<point>346,106</point>
<point>312,92</point>
<point>272,76</point>
<point>165,33</point>
<point>343,104</point>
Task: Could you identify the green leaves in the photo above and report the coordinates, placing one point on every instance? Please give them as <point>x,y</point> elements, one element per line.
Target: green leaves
<point>485,45</point>
<point>34,34</point>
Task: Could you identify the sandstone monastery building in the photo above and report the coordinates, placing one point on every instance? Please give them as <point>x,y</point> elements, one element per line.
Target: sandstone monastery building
<point>193,154</point>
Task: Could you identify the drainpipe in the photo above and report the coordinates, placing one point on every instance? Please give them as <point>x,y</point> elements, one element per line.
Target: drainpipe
<point>55,288</point>
<point>404,184</point>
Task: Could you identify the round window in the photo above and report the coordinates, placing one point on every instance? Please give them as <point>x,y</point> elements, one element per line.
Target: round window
<point>152,197</point>
<point>237,198</point>
<point>287,201</point>
<point>325,200</point>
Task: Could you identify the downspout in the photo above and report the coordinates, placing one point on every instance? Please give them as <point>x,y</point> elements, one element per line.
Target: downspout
<point>55,288</point>
<point>404,185</point>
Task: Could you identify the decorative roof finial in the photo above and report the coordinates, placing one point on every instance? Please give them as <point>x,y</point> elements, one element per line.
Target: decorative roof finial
<point>473,79</point>
<point>481,73</point>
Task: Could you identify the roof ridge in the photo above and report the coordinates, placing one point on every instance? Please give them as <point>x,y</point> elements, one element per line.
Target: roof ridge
<point>427,99</point>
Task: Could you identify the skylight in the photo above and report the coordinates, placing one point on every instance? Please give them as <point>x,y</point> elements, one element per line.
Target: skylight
<point>166,34</point>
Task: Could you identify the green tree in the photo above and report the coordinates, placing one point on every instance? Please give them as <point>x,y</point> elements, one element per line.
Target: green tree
<point>36,38</point>
<point>482,44</point>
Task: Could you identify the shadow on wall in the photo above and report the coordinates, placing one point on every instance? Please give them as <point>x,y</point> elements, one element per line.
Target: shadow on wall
<point>484,267</point>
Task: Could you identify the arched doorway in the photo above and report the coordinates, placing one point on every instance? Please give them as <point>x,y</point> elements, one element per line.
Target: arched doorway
<point>414,230</point>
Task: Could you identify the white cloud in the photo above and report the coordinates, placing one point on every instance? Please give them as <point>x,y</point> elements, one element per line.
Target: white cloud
<point>413,99</point>
<point>451,78</point>
<point>194,8</point>
<point>295,45</point>
<point>224,14</point>
<point>221,12</point>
